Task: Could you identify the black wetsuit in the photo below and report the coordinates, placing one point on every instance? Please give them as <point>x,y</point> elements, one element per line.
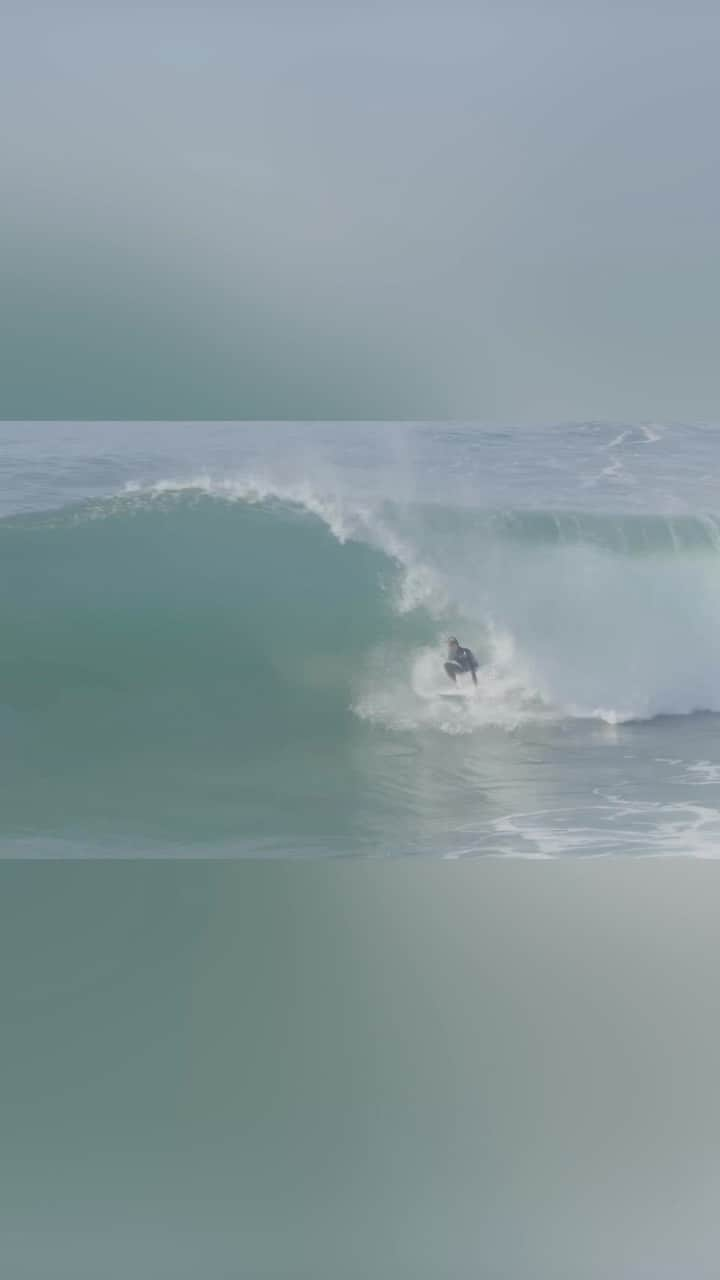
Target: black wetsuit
<point>462,660</point>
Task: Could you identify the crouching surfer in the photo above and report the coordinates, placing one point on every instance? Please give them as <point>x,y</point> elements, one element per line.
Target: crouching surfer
<point>460,660</point>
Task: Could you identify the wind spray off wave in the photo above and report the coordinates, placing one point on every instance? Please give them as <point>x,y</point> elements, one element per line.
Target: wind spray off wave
<point>576,614</point>
<point>248,665</point>
<point>589,615</point>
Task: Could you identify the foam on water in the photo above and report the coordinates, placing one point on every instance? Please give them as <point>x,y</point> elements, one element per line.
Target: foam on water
<point>234,639</point>
<point>575,615</point>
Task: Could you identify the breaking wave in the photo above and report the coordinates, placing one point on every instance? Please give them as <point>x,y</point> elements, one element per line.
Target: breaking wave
<point>218,633</point>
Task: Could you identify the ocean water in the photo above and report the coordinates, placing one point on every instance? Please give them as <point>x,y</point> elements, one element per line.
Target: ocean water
<point>226,640</point>
<point>497,1057</point>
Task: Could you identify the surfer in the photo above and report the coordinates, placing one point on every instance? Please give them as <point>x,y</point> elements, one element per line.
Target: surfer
<point>459,660</point>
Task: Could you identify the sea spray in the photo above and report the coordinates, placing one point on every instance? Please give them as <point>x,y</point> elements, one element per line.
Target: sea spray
<point>248,665</point>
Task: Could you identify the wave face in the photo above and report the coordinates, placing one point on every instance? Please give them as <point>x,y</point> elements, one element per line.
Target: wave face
<point>254,668</point>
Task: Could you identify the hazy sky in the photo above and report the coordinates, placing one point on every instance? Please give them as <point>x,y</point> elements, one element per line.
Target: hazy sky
<point>495,211</point>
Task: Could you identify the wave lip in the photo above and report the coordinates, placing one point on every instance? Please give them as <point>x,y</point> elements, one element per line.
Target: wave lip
<point>578,616</point>
<point>246,660</point>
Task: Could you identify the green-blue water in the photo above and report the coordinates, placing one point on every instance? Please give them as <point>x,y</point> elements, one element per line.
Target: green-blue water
<point>171,673</point>
<point>228,641</point>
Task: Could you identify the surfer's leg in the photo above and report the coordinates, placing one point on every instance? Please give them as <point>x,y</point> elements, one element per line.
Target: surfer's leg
<point>451,669</point>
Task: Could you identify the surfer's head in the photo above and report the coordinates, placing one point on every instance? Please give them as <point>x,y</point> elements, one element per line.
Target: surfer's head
<point>453,642</point>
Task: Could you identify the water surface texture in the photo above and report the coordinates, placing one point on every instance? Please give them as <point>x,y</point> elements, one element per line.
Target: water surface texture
<point>227,640</point>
